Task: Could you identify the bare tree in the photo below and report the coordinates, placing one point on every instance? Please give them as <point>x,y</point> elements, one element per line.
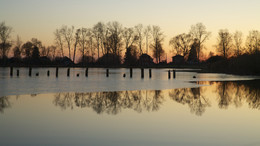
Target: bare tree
<point>129,37</point>
<point>90,43</point>
<point>181,44</point>
<point>157,35</point>
<point>98,34</point>
<point>224,44</point>
<point>199,33</point>
<point>18,48</point>
<point>115,38</point>
<point>58,40</point>
<point>67,33</point>
<point>147,34</point>
<point>5,35</point>
<point>83,41</point>
<point>77,39</point>
<point>253,41</point>
<point>140,36</point>
<point>238,42</point>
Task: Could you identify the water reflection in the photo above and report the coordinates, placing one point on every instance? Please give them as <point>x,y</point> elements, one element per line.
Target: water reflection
<point>111,102</point>
<point>236,92</point>
<point>4,103</point>
<point>194,97</point>
<point>197,99</point>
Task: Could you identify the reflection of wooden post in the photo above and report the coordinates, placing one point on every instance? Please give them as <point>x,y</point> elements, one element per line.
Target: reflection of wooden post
<point>68,72</point>
<point>30,71</point>
<point>57,71</point>
<point>169,74</point>
<point>142,72</point>
<point>107,73</point>
<point>11,71</point>
<point>48,73</point>
<point>17,73</point>
<point>86,72</point>
<point>174,73</point>
<point>131,72</point>
<point>150,73</point>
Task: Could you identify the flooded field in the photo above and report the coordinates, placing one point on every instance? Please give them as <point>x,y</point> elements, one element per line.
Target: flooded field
<point>211,109</point>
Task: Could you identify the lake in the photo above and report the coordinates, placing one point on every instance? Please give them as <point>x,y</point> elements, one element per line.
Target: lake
<point>211,109</point>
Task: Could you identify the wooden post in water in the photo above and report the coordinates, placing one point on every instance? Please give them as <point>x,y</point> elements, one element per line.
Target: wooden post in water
<point>169,74</point>
<point>107,73</point>
<point>68,72</point>
<point>30,71</point>
<point>11,71</point>
<point>48,73</point>
<point>150,73</point>
<point>174,73</point>
<point>131,72</point>
<point>17,73</point>
<point>57,71</point>
<point>86,72</point>
<point>142,73</point>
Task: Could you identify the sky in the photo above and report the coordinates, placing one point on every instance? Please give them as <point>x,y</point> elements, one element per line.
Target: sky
<point>39,18</point>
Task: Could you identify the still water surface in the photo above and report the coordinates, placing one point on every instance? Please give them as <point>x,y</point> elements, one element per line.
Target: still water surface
<point>221,113</point>
<point>98,82</point>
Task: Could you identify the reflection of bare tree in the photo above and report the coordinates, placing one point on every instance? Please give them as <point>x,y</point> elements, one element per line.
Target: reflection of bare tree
<point>235,92</point>
<point>199,102</point>
<point>114,102</point>
<point>110,102</point>
<point>4,103</point>
<point>191,96</point>
<point>157,100</point>
<point>239,92</point>
<point>252,90</point>
<point>64,100</point>
<point>223,91</point>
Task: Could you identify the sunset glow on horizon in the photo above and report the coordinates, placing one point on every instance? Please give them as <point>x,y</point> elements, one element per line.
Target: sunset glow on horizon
<point>39,19</point>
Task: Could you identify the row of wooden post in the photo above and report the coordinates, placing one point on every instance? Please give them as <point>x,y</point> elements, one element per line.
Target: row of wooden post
<point>86,72</point>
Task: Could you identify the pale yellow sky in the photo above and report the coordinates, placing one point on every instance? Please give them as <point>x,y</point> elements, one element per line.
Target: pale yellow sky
<point>39,19</point>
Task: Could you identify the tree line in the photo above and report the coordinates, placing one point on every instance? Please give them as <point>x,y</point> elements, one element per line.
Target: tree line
<point>227,45</point>
<point>106,41</point>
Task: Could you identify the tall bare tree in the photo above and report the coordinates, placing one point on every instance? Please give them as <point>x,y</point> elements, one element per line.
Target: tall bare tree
<point>199,32</point>
<point>83,41</point>
<point>115,37</point>
<point>253,41</point>
<point>90,43</point>
<point>5,36</point>
<point>129,37</point>
<point>76,42</point>
<point>98,34</point>
<point>158,37</point>
<point>67,34</point>
<point>238,42</point>
<point>224,44</point>
<point>58,40</point>
<point>140,36</point>
<point>181,44</point>
<point>147,34</point>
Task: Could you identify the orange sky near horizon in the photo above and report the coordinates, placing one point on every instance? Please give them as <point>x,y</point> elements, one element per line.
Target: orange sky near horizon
<point>39,19</point>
